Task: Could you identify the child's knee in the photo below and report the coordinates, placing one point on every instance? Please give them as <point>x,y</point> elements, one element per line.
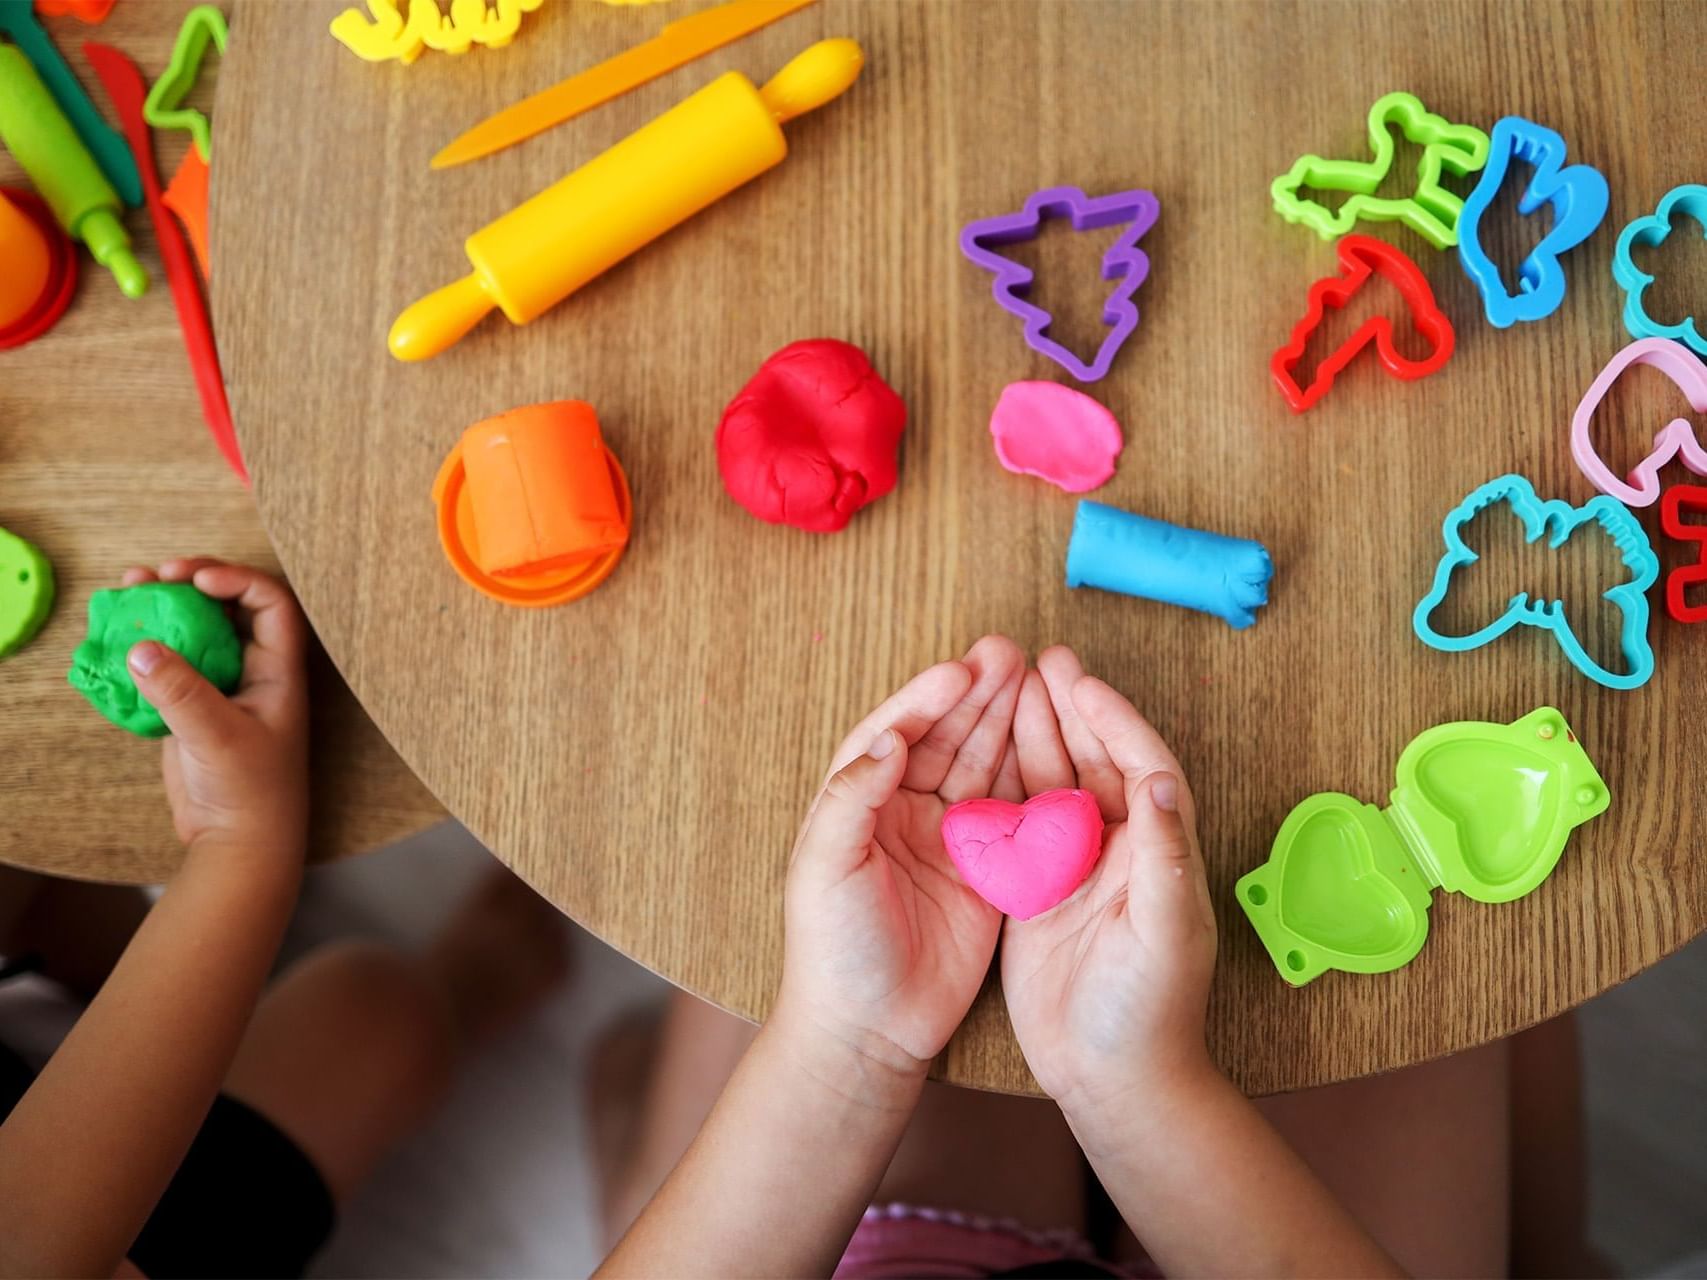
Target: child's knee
<point>397,1017</point>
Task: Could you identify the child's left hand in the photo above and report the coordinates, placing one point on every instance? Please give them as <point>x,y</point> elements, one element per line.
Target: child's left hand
<point>235,768</point>
<point>886,945</point>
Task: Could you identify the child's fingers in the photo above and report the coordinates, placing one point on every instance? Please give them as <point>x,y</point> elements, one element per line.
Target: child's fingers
<point>992,662</point>
<point>1132,746</point>
<point>184,568</point>
<point>910,711</point>
<point>1095,771</point>
<point>137,575</point>
<point>1167,886</point>
<point>978,760</point>
<point>1044,764</point>
<point>844,820</point>
<point>196,712</point>
<point>278,633</point>
<point>1009,784</point>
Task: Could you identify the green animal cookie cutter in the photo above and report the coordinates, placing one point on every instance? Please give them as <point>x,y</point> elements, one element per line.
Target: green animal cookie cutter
<point>26,592</point>
<point>1480,809</point>
<point>1431,210</point>
<point>173,613</point>
<point>202,24</point>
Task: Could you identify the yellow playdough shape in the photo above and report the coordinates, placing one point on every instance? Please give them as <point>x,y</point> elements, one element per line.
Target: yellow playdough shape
<point>389,35</point>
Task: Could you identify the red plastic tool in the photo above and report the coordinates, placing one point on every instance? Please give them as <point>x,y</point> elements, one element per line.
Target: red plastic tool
<point>124,86</point>
<point>1360,258</point>
<point>1678,499</point>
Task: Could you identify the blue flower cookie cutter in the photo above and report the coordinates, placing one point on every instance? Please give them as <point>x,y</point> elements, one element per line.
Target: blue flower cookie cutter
<point>1124,262</point>
<point>1650,230</point>
<point>1559,520</point>
<point>1578,194</point>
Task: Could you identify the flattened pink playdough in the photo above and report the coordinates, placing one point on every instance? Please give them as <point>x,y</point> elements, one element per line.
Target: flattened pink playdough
<point>1058,434</point>
<point>1024,859</point>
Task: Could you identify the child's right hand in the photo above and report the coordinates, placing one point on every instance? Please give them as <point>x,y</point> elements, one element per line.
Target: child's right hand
<point>1107,992</point>
<point>886,945</point>
<point>235,768</point>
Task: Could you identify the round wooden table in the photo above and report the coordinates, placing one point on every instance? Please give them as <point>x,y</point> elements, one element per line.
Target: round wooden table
<point>643,757</point>
<point>105,463</point>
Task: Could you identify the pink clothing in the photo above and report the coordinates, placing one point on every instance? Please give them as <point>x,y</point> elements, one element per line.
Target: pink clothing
<point>896,1240</point>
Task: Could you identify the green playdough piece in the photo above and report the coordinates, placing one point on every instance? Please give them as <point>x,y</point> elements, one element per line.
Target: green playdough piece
<point>175,614</point>
<point>26,592</point>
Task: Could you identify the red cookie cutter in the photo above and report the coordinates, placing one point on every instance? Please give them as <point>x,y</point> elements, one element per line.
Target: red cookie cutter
<point>1361,257</point>
<point>1678,499</point>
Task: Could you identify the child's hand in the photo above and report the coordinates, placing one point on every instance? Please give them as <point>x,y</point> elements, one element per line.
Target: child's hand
<point>886,945</point>
<point>1107,992</point>
<point>236,768</point>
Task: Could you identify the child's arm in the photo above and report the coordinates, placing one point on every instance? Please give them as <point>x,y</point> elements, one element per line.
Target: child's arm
<point>886,949</point>
<point>88,1150</point>
<point>1108,993</point>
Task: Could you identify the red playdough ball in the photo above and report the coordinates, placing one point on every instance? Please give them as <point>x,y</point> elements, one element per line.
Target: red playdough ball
<point>812,438</point>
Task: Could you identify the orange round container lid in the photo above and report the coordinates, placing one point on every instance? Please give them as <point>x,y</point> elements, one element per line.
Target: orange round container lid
<point>531,591</point>
<point>61,281</point>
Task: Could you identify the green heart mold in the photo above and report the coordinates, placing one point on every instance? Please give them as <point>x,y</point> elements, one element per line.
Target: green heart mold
<point>1480,809</point>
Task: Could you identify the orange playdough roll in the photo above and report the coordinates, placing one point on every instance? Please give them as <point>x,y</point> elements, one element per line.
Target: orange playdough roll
<point>541,489</point>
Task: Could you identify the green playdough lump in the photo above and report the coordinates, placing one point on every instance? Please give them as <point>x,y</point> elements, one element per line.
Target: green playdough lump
<point>175,614</point>
<point>26,592</point>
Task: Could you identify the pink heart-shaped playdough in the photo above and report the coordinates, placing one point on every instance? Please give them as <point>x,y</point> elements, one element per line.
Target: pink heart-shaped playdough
<point>1023,859</point>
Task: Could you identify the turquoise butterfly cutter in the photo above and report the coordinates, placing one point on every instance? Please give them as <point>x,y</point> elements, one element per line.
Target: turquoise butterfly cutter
<point>1559,520</point>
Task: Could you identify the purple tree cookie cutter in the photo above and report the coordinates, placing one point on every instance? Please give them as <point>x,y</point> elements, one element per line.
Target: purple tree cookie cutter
<point>1124,262</point>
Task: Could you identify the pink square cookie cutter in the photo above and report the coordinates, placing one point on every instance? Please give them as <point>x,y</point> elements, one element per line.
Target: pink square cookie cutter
<point>1124,262</point>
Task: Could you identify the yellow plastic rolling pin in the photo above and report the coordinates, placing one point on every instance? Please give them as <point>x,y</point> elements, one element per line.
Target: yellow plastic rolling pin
<point>659,176</point>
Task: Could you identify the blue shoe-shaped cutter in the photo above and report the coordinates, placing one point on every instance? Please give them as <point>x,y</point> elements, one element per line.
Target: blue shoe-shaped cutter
<point>1578,195</point>
<point>1651,230</point>
<point>1559,520</point>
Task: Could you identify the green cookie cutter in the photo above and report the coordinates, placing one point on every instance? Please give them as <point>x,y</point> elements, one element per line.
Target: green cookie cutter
<point>26,592</point>
<point>1481,809</point>
<point>1431,211</point>
<point>202,24</point>
<point>173,613</point>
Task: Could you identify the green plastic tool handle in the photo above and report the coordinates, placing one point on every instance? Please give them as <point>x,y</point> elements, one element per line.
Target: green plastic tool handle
<point>104,143</point>
<point>38,135</point>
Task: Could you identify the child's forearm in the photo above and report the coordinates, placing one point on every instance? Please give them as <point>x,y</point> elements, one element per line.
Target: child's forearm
<point>1183,1162</point>
<point>89,1149</point>
<point>788,1160</point>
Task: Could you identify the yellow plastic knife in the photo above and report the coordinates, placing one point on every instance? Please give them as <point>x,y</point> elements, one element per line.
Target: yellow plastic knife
<point>676,45</point>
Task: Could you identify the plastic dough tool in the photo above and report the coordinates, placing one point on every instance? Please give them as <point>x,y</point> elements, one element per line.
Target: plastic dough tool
<point>676,45</point>
<point>1676,440</point>
<point>104,143</point>
<point>124,86</point>
<point>1361,258</point>
<point>1125,263</point>
<point>47,148</point>
<point>659,176</point>
<point>1679,499</point>
<point>203,25</point>
<point>42,264</point>
<point>1480,809</point>
<point>533,507</point>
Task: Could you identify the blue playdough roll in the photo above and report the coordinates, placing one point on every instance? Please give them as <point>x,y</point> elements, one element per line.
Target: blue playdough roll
<point>1119,551</point>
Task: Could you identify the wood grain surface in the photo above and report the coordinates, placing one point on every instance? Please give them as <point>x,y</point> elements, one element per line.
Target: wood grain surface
<point>643,757</point>
<point>105,463</point>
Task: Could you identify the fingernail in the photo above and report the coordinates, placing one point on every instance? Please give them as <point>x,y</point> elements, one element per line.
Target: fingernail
<point>1164,793</point>
<point>883,746</point>
<point>144,657</point>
